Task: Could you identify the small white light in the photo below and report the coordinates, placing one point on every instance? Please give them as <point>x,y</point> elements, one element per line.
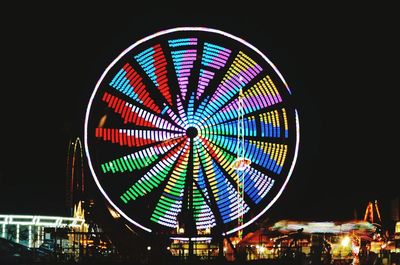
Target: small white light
<point>345,241</point>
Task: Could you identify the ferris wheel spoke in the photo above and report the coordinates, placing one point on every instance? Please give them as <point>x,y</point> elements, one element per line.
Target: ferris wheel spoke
<point>183,57</point>
<point>205,77</point>
<point>198,173</point>
<point>174,117</point>
<point>261,96</point>
<point>214,58</point>
<point>271,124</point>
<point>135,115</point>
<point>202,213</point>
<point>130,83</point>
<point>140,159</point>
<point>155,176</point>
<point>240,73</point>
<point>224,159</point>
<point>190,111</point>
<point>181,112</point>
<point>231,128</point>
<point>170,203</point>
<point>199,113</point>
<point>256,185</point>
<point>153,62</point>
<point>274,124</point>
<point>134,138</point>
<point>270,156</point>
<point>201,199</point>
<point>226,197</point>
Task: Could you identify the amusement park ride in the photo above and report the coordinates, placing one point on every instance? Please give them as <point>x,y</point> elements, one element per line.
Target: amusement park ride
<point>191,133</point>
<point>241,163</point>
<point>75,178</point>
<point>372,213</point>
<point>89,235</point>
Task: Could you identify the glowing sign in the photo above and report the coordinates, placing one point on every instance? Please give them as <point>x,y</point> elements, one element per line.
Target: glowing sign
<point>161,130</point>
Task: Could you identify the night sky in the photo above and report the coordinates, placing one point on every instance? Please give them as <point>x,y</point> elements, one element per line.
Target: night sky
<point>341,64</point>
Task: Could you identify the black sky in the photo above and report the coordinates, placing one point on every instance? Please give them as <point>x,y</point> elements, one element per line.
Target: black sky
<point>342,64</point>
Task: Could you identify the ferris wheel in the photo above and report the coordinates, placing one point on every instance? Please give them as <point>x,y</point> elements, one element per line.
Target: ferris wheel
<point>195,122</point>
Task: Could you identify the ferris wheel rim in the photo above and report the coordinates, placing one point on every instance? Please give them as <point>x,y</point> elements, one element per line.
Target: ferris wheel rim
<point>152,36</point>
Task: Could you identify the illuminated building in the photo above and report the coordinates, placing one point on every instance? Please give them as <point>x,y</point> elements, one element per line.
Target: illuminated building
<point>30,230</point>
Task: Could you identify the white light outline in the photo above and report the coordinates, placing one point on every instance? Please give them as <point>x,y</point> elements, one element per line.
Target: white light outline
<point>36,220</point>
<point>155,35</point>
<point>192,238</point>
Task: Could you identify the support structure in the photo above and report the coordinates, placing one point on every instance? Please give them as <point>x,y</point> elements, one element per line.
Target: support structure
<point>240,152</point>
<point>371,212</point>
<point>75,183</point>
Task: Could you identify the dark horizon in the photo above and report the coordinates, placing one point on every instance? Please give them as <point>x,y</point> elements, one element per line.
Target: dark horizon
<point>340,72</point>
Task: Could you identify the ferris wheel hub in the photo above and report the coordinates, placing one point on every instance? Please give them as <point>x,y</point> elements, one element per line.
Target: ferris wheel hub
<point>191,132</point>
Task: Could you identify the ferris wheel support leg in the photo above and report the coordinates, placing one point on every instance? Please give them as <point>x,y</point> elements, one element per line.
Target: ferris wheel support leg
<point>221,247</point>
<point>190,223</point>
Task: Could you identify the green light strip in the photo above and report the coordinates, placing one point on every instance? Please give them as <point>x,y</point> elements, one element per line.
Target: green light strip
<point>174,187</point>
<point>127,163</point>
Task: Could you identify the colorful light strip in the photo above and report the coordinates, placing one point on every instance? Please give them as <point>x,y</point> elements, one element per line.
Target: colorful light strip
<point>183,61</point>
<point>132,138</point>
<point>170,203</point>
<point>182,42</point>
<point>203,215</point>
<point>128,81</point>
<point>204,79</point>
<point>223,190</point>
<point>240,73</point>
<point>133,114</point>
<point>154,64</point>
<point>140,159</point>
<point>214,56</point>
<point>261,95</point>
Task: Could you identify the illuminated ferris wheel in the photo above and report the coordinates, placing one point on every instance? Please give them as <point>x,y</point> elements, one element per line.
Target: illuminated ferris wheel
<point>193,122</point>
